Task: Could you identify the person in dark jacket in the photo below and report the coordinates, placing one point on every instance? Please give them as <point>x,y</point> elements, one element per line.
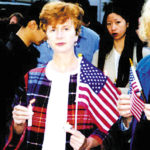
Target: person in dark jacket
<point>17,57</point>
<point>141,129</point>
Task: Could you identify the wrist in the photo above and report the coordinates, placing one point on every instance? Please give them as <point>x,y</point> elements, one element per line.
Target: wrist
<point>18,128</point>
<point>127,121</point>
<point>85,144</point>
<point>90,143</point>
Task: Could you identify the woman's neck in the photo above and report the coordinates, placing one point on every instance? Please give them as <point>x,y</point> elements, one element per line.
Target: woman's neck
<point>119,44</point>
<point>64,63</point>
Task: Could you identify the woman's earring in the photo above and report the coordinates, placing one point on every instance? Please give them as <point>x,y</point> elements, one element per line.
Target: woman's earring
<point>76,43</point>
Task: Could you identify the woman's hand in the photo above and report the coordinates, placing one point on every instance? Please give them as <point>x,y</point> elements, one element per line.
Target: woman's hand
<point>79,142</point>
<point>147,111</point>
<point>20,115</point>
<point>77,139</point>
<point>124,105</point>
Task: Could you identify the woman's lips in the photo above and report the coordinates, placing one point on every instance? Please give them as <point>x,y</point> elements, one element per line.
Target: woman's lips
<point>60,43</point>
<point>114,34</point>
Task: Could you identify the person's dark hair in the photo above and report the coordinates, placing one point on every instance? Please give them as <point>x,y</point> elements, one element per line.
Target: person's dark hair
<point>19,17</point>
<point>134,9</point>
<point>34,12</point>
<point>106,44</point>
<point>85,6</point>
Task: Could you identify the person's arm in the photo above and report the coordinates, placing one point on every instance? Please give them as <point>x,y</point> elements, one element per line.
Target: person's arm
<point>18,127</point>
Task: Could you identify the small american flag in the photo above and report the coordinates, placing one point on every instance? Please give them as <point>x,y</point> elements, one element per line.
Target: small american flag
<point>137,105</point>
<point>133,84</point>
<point>99,95</point>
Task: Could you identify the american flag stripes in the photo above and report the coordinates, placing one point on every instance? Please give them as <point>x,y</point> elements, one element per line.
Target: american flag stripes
<point>133,83</point>
<point>99,95</point>
<point>137,105</point>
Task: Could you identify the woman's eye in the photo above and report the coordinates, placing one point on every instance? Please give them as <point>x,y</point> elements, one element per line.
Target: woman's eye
<point>66,29</point>
<point>108,24</point>
<point>118,22</point>
<point>53,30</point>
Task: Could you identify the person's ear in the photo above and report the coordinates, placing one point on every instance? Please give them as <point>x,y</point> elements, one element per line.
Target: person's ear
<point>32,24</point>
<point>76,38</point>
<point>127,24</point>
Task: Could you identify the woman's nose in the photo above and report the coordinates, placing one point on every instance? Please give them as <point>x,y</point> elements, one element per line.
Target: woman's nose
<point>113,26</point>
<point>59,33</point>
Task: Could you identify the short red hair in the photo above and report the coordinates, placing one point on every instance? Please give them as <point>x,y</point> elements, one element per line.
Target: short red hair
<point>54,13</point>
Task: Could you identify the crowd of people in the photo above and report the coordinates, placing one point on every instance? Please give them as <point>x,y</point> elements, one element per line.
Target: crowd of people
<point>65,80</point>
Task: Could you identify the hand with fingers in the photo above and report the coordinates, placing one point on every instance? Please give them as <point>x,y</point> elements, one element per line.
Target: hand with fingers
<point>20,115</point>
<point>79,142</point>
<point>124,106</point>
<point>147,111</point>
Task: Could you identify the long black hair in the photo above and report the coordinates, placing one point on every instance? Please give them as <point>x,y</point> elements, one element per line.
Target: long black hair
<point>106,44</point>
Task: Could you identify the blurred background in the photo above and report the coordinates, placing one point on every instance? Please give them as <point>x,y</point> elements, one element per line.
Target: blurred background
<point>7,7</point>
<point>10,6</point>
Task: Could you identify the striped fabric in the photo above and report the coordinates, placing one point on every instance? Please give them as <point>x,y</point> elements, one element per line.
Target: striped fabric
<point>39,88</point>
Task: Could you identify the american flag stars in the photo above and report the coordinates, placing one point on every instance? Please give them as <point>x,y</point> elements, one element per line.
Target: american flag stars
<point>92,77</point>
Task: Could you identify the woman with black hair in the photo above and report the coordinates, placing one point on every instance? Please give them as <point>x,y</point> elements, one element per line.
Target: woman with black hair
<point>118,43</point>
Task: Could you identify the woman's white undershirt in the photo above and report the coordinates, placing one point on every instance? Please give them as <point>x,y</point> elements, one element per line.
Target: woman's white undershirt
<point>56,118</point>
